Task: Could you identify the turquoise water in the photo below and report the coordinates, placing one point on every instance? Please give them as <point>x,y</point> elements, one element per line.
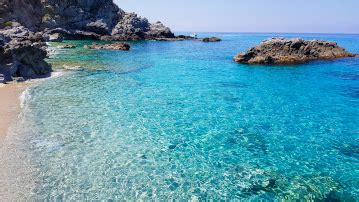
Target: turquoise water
<point>181,120</point>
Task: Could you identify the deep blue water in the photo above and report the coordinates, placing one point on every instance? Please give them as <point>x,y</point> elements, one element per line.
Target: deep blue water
<point>181,120</point>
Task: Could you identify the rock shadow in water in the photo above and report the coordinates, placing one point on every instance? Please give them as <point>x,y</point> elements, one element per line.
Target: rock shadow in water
<point>254,142</point>
<point>345,75</point>
<point>351,91</point>
<point>347,149</point>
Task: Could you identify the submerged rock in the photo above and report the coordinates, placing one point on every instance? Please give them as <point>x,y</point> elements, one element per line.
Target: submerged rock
<point>350,149</point>
<point>66,46</point>
<point>211,39</point>
<point>172,146</point>
<point>291,51</point>
<point>114,46</point>
<point>73,68</point>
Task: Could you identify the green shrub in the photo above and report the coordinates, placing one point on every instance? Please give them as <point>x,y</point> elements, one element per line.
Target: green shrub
<point>8,24</point>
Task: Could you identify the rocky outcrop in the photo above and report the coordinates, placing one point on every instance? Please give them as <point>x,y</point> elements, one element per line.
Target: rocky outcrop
<point>158,30</point>
<point>291,51</point>
<point>130,27</point>
<point>28,13</point>
<point>133,27</point>
<point>114,46</point>
<point>211,39</point>
<point>98,16</point>
<point>22,54</point>
<point>80,19</point>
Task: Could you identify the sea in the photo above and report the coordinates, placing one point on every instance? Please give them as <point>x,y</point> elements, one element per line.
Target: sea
<point>181,120</point>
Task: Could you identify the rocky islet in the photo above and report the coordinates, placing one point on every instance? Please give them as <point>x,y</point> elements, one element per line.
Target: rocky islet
<point>279,51</point>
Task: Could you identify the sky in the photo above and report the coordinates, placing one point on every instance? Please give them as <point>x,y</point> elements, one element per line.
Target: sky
<point>298,16</point>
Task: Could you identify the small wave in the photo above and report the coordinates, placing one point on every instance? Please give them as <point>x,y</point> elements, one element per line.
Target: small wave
<point>25,95</point>
<point>57,74</point>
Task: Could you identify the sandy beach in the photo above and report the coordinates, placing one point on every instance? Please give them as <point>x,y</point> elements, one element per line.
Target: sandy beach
<point>10,104</point>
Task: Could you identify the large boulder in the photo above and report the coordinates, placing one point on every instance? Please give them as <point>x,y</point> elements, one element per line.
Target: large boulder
<point>130,27</point>
<point>133,27</point>
<point>291,51</point>
<point>22,54</point>
<point>158,30</point>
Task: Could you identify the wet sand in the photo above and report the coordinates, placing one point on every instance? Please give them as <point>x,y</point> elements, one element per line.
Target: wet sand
<point>14,176</point>
<point>10,105</point>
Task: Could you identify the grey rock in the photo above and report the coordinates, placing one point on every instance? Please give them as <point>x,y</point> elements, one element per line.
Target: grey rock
<point>69,14</point>
<point>114,46</point>
<point>291,51</point>
<point>16,32</point>
<point>56,37</point>
<point>211,39</point>
<point>99,26</point>
<point>20,79</point>
<point>158,30</point>
<point>81,19</point>
<point>185,37</point>
<point>22,54</point>
<point>27,13</point>
<point>131,27</point>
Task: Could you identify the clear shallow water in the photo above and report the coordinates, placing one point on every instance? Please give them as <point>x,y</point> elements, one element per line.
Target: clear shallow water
<point>182,120</point>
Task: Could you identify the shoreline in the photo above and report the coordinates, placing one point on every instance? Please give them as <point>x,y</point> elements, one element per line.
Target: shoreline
<point>10,104</point>
<point>11,101</point>
<point>16,181</point>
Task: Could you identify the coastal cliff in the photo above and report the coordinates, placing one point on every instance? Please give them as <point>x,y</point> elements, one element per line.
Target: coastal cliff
<point>26,24</point>
<point>79,19</point>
